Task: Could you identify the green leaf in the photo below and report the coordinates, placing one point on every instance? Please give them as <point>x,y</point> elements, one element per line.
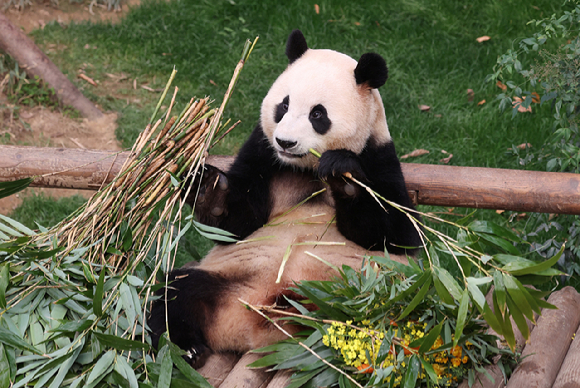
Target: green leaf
<point>499,291</point>
<point>461,316</point>
<point>127,240</point>
<point>214,233</point>
<point>449,282</point>
<point>125,370</point>
<point>128,302</point>
<point>190,373</point>
<point>4,281</point>
<point>101,368</point>
<point>508,332</point>
<point>441,290</point>
<point>431,338</point>
<point>430,371</point>
<point>410,379</point>
<point>4,368</point>
<point>518,318</point>
<point>9,338</point>
<point>120,343</point>
<point>166,368</point>
<point>473,287</point>
<point>518,296</point>
<point>419,297</point>
<point>529,267</point>
<point>411,290</point>
<point>323,306</point>
<point>499,242</point>
<point>13,187</point>
<point>489,227</point>
<point>492,319</point>
<point>98,297</point>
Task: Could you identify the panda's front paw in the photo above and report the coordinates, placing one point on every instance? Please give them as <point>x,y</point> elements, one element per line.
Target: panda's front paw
<point>211,202</point>
<point>333,164</point>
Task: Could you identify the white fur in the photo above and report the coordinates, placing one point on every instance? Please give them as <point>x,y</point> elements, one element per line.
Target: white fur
<point>323,77</point>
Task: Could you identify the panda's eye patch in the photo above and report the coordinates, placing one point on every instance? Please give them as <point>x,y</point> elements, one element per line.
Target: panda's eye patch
<point>318,117</point>
<point>281,109</point>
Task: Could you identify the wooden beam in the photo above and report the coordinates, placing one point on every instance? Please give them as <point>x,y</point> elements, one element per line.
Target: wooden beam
<point>452,186</point>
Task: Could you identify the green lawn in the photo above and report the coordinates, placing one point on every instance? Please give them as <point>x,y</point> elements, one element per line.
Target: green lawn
<point>430,47</point>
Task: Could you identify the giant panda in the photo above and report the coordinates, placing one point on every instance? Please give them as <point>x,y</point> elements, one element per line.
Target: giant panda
<point>324,101</point>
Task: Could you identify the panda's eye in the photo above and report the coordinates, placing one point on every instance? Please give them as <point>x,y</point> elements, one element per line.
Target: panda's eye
<point>285,107</point>
<point>316,114</point>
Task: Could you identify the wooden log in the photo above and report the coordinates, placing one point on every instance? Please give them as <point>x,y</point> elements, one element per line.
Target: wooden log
<point>549,342</point>
<point>217,367</point>
<point>452,186</point>
<point>36,63</point>
<point>243,377</point>
<point>569,375</point>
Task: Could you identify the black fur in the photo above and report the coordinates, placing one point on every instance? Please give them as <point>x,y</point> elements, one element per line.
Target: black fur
<point>372,70</point>
<point>296,46</point>
<point>192,296</point>
<point>281,109</point>
<point>245,203</point>
<point>358,216</point>
<point>319,119</point>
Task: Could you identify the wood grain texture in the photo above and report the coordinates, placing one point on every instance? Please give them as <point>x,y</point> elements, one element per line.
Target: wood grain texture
<point>549,342</point>
<point>243,377</point>
<point>452,186</point>
<point>569,375</point>
<point>217,367</point>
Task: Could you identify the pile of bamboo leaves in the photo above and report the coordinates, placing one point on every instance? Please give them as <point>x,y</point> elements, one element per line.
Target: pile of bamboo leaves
<point>73,299</point>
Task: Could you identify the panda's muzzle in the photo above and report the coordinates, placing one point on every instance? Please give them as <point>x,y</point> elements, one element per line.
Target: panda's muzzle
<point>286,144</point>
<point>286,148</point>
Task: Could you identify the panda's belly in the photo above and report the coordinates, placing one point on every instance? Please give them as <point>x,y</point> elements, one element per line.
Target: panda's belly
<point>299,236</point>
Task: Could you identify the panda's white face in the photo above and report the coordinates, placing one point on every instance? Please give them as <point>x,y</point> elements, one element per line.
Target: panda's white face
<point>316,103</point>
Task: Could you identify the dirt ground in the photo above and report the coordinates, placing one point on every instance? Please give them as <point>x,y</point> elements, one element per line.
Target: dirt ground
<point>47,127</point>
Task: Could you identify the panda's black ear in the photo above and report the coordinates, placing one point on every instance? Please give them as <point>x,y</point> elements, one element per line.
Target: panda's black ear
<point>296,46</point>
<point>371,70</point>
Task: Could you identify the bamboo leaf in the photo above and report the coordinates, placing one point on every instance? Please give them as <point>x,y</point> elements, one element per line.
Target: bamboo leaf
<point>429,369</point>
<point>9,338</point>
<point>476,294</point>
<point>518,318</point>
<point>98,297</point>
<point>430,338</point>
<point>410,379</point>
<point>4,368</point>
<point>529,267</point>
<point>17,225</point>
<point>4,281</point>
<point>13,187</point>
<point>508,332</point>
<point>125,370</point>
<point>66,365</point>
<point>461,316</point>
<point>214,233</point>
<point>120,343</point>
<point>411,290</point>
<point>419,297</point>
<point>494,229</point>
<point>518,296</point>
<point>101,368</point>
<point>166,368</point>
<point>449,282</point>
<point>499,291</point>
<point>494,322</point>
<point>441,290</point>
<point>323,306</point>
<point>128,302</point>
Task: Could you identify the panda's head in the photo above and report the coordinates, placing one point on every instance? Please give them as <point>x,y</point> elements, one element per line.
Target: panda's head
<point>324,100</point>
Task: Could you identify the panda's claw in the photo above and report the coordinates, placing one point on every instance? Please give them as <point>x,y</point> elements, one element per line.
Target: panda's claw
<point>211,202</point>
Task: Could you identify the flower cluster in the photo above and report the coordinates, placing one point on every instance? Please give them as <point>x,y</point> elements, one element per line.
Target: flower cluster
<point>359,347</point>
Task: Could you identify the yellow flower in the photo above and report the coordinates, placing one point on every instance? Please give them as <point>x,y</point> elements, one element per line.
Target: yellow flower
<point>456,351</point>
<point>465,359</point>
<point>439,369</point>
<point>456,362</point>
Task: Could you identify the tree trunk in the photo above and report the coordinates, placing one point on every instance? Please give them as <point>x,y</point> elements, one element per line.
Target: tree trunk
<point>30,58</point>
<point>475,187</point>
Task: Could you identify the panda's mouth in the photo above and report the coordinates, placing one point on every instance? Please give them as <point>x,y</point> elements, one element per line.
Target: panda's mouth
<point>291,155</point>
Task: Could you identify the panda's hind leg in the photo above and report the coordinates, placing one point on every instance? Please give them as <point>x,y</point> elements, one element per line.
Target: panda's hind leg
<point>186,307</point>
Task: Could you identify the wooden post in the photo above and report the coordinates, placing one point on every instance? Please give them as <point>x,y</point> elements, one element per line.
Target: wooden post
<point>475,187</point>
<point>36,63</point>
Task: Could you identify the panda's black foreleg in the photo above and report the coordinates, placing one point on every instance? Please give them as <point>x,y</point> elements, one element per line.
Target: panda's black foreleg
<point>185,308</point>
<point>211,205</point>
<point>359,216</point>
<point>238,200</point>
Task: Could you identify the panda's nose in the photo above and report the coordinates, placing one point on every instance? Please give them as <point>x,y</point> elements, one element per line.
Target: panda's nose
<point>286,144</point>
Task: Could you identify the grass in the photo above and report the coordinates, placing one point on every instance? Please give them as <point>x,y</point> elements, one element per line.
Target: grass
<point>430,48</point>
